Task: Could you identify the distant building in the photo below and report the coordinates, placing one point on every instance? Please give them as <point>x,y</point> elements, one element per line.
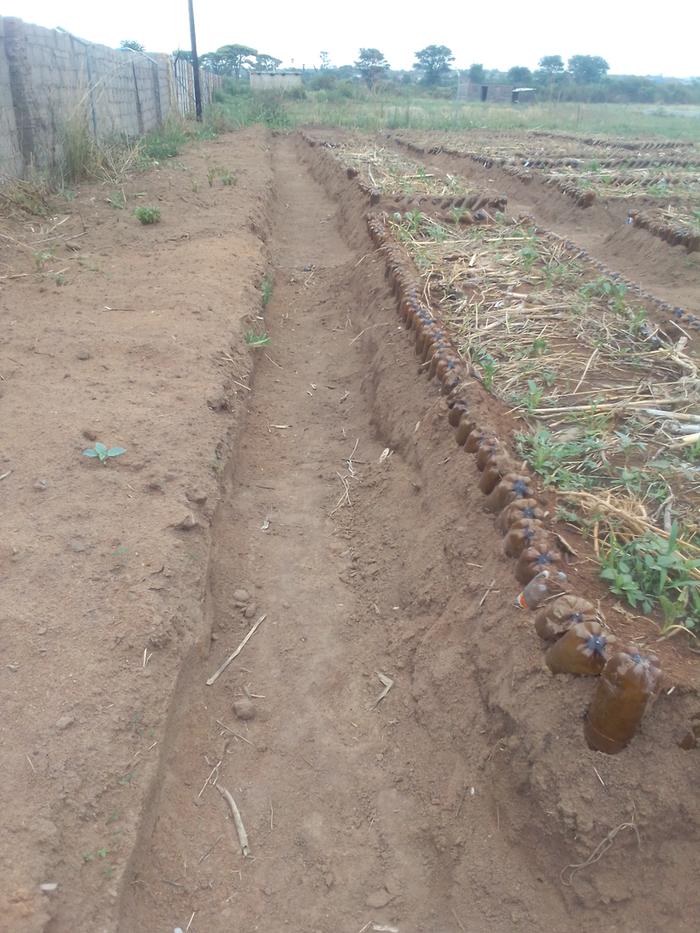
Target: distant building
<point>274,80</point>
<point>495,93</point>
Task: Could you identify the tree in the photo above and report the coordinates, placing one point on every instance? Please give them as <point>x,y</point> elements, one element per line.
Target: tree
<point>212,61</point>
<point>267,63</point>
<point>131,44</point>
<point>552,65</point>
<point>588,69</point>
<point>371,64</point>
<point>477,74</point>
<point>325,60</point>
<point>235,57</point>
<point>519,75</point>
<point>434,62</point>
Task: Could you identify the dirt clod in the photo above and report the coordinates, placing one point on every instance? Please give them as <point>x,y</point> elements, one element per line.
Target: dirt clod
<point>379,898</point>
<point>244,708</point>
<point>242,597</point>
<point>187,523</point>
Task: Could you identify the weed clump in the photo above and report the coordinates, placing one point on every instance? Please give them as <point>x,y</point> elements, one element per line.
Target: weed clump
<point>147,215</point>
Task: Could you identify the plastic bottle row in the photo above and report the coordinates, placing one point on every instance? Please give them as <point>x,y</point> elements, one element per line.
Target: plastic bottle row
<point>577,641</point>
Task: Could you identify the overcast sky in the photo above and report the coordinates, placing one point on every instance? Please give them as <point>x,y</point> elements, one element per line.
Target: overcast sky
<point>633,37</point>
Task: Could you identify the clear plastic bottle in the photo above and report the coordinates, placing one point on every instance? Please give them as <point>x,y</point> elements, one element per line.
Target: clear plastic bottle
<point>539,588</point>
<point>584,649</point>
<point>626,684</point>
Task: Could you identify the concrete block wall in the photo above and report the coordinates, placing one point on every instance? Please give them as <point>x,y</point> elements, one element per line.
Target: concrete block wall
<point>10,157</point>
<point>49,78</point>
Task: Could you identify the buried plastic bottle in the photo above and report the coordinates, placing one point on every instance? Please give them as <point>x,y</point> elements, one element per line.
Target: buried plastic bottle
<point>561,614</point>
<point>522,534</point>
<point>539,588</point>
<point>513,486</point>
<point>627,682</point>
<point>584,649</point>
<point>518,510</point>
<point>498,465</point>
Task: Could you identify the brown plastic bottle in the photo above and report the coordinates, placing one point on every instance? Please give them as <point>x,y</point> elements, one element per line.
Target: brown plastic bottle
<point>628,680</point>
<point>475,438</point>
<point>486,449</point>
<point>452,380</point>
<point>498,465</point>
<point>465,427</point>
<point>561,614</point>
<point>584,649</point>
<point>513,486</point>
<point>448,363</point>
<point>541,555</point>
<point>457,410</point>
<point>521,536</point>
<point>436,352</point>
<point>518,510</point>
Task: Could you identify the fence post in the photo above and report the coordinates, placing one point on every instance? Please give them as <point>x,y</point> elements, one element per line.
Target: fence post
<point>139,109</point>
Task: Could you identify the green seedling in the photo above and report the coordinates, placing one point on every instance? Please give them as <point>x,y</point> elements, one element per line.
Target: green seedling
<point>103,453</point>
<point>256,340</point>
<point>266,286</point>
<point>228,178</point>
<point>117,200</point>
<point>147,215</point>
<point>41,258</point>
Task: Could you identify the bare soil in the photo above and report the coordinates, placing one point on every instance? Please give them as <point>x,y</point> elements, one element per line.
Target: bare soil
<point>337,506</point>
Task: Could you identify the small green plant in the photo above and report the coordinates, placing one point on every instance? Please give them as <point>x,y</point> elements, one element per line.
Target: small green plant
<point>147,215</point>
<point>266,287</point>
<point>649,572</point>
<point>91,856</point>
<point>413,220</point>
<point>117,200</point>
<point>256,340</point>
<point>532,400</point>
<point>436,232</point>
<point>529,256</point>
<point>228,178</point>
<point>603,287</point>
<point>103,453</point>
<point>60,278</point>
<point>41,258</point>
<point>538,347</point>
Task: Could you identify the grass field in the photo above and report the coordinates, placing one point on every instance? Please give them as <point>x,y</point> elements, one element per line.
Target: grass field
<point>375,114</point>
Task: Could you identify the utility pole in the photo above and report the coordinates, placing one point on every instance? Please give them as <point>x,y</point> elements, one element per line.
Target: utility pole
<point>195,66</point>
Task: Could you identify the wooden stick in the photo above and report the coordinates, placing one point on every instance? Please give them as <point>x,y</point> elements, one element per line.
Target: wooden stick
<point>217,673</point>
<point>237,821</point>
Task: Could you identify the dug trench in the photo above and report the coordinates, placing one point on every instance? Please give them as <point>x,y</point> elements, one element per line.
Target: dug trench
<point>464,798</point>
